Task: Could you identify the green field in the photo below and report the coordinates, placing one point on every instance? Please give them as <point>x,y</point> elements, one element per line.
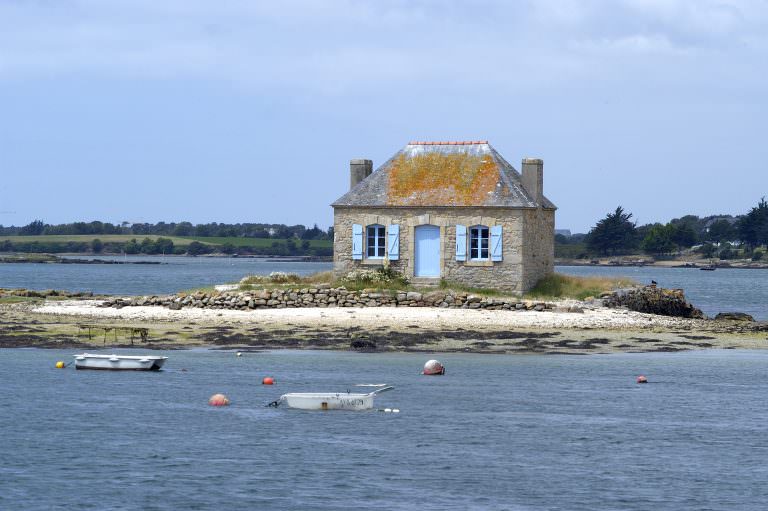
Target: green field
<point>177,241</point>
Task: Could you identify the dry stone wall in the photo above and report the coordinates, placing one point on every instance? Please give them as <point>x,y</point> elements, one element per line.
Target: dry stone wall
<point>327,296</point>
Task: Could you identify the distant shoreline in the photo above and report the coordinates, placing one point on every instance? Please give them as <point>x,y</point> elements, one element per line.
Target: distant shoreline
<point>79,258</point>
<point>662,264</point>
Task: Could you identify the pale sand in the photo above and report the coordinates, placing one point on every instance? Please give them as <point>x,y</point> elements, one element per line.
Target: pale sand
<point>392,317</point>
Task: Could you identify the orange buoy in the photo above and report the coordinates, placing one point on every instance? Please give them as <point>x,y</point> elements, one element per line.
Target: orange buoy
<point>433,368</point>
<point>642,379</point>
<point>268,380</point>
<point>218,400</point>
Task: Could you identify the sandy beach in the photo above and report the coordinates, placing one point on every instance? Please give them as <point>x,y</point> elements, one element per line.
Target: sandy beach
<point>424,329</point>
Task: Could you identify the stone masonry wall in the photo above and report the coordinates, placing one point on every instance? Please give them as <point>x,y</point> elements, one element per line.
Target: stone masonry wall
<point>507,275</point>
<point>538,245</point>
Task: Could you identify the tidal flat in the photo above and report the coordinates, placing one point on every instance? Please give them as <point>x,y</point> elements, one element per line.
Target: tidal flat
<point>82,324</point>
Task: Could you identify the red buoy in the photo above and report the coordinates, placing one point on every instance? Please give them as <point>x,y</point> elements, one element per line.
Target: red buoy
<point>218,400</point>
<point>268,380</point>
<point>433,368</point>
<point>642,379</point>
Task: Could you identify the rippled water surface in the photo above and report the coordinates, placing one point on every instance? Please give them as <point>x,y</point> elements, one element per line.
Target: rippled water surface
<point>722,290</point>
<point>496,432</point>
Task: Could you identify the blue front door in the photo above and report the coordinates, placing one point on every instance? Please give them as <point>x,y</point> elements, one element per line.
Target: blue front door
<point>427,251</point>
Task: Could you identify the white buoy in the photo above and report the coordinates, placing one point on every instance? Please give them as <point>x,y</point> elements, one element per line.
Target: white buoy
<point>433,368</point>
<point>239,354</point>
<point>395,410</point>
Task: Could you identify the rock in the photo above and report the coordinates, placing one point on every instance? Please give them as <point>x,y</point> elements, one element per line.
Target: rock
<point>654,300</point>
<point>414,296</point>
<point>174,306</point>
<point>363,345</point>
<point>734,316</point>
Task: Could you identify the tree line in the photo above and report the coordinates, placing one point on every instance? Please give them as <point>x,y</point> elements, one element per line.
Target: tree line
<point>165,246</point>
<point>617,234</point>
<point>182,229</point>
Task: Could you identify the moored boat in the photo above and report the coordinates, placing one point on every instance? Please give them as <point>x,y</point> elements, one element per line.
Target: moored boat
<point>329,400</point>
<point>119,362</point>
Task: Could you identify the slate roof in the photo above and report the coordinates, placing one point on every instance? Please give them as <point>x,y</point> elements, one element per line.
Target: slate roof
<point>443,174</point>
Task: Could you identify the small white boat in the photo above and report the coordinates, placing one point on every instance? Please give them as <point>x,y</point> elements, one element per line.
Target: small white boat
<point>119,362</point>
<point>329,400</point>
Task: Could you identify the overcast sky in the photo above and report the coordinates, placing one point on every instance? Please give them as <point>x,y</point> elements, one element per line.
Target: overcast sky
<point>247,111</point>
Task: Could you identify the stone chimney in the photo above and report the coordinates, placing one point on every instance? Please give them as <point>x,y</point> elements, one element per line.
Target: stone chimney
<point>533,178</point>
<point>359,170</point>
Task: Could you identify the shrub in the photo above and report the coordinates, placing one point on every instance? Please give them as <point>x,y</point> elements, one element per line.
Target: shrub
<point>756,256</point>
<point>380,277</point>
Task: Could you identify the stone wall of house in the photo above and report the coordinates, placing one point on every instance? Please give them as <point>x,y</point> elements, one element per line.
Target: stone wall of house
<point>507,275</point>
<point>538,245</point>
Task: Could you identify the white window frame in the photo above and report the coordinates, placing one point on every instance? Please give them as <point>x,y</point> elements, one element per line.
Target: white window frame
<point>380,241</point>
<point>475,233</point>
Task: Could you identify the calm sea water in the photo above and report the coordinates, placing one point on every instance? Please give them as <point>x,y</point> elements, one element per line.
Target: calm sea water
<point>722,290</point>
<point>496,432</point>
<point>713,292</point>
<point>174,274</point>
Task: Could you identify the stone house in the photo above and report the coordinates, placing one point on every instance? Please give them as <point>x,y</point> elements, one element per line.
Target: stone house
<point>447,210</point>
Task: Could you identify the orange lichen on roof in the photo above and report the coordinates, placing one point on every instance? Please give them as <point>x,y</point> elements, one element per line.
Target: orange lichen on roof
<point>442,179</point>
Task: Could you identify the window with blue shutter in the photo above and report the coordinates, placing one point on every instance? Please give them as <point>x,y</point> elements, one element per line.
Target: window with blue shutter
<point>357,241</point>
<point>375,240</point>
<point>496,243</point>
<point>461,242</point>
<point>393,242</point>
<point>478,243</point>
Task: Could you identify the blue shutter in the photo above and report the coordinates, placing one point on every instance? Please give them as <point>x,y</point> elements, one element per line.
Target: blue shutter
<point>496,243</point>
<point>461,242</point>
<point>357,241</point>
<point>393,242</point>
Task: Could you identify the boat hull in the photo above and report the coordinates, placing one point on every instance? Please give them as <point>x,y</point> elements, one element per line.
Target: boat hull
<point>328,401</point>
<point>119,362</point>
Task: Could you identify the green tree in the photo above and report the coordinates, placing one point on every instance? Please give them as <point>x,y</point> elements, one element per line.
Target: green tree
<point>707,250</point>
<point>658,241</point>
<point>721,230</point>
<point>97,246</point>
<point>163,246</point>
<point>132,247</point>
<point>34,228</point>
<point>614,234</point>
<point>196,248</point>
<point>183,229</point>
<point>684,235</point>
<point>753,227</point>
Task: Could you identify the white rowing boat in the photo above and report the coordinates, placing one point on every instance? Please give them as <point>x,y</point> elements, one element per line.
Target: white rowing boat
<point>119,362</point>
<point>329,400</point>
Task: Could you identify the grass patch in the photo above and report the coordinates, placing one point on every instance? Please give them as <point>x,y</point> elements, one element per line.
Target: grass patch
<point>27,258</point>
<point>568,286</point>
<point>19,299</point>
